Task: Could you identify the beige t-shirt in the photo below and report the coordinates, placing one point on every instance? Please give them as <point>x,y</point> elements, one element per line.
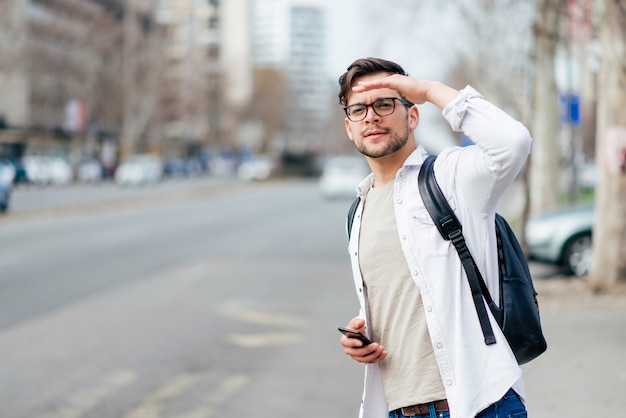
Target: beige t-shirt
<point>397,320</point>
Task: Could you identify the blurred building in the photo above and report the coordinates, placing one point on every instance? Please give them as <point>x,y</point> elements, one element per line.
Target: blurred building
<point>62,70</point>
<point>125,76</point>
<point>289,37</point>
<point>191,95</point>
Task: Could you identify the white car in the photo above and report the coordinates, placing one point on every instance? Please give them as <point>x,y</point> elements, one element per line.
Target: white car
<point>7,171</point>
<point>341,175</point>
<point>139,169</point>
<point>255,168</point>
<point>562,237</point>
<point>42,169</point>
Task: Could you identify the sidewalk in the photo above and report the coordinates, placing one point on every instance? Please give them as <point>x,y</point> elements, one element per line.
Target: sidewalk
<point>583,372</point>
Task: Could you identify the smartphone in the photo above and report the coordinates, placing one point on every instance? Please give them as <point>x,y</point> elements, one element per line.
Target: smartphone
<point>355,334</point>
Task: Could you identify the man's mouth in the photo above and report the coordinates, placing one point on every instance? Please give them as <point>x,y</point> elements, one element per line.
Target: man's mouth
<point>374,132</point>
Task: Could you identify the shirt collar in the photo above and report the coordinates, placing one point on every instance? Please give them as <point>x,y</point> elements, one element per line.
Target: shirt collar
<point>416,158</point>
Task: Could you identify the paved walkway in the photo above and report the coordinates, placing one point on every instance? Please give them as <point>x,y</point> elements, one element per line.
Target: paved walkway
<point>583,372</point>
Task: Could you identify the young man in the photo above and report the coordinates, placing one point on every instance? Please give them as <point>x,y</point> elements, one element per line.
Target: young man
<point>429,357</point>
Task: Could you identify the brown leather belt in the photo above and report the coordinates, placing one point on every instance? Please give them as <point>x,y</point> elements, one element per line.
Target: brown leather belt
<point>422,409</point>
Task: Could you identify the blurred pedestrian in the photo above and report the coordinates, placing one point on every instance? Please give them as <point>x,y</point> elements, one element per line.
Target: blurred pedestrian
<point>428,357</point>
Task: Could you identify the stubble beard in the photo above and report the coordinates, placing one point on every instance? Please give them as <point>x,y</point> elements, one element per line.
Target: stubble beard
<point>397,141</point>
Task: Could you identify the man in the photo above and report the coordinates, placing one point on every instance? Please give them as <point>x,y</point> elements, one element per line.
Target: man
<point>429,357</point>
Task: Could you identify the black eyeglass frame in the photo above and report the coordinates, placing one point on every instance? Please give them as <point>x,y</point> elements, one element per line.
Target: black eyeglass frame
<point>401,100</point>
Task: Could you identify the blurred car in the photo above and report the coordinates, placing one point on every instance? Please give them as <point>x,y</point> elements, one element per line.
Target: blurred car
<point>139,169</point>
<point>5,195</point>
<point>177,167</point>
<point>340,176</point>
<point>45,170</point>
<point>255,168</point>
<point>90,170</point>
<point>7,171</point>
<point>562,238</point>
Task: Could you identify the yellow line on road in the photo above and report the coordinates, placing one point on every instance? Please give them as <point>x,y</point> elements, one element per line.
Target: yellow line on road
<point>241,311</point>
<point>263,340</point>
<point>81,402</point>
<point>151,408</point>
<point>222,394</point>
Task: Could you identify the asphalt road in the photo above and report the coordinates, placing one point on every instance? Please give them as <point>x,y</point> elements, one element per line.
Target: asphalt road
<point>208,298</point>
<point>202,301</point>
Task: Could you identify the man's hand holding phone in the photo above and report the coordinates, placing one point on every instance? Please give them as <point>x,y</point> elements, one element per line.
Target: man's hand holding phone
<point>358,346</point>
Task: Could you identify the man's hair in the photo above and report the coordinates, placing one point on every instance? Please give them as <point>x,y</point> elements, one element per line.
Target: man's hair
<point>363,67</point>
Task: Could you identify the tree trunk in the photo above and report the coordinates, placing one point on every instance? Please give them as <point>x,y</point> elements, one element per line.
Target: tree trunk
<point>545,130</point>
<point>609,240</point>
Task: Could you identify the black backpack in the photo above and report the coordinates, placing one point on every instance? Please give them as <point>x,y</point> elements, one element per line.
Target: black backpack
<point>517,314</point>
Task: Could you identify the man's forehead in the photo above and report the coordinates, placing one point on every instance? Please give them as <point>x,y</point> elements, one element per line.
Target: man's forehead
<point>370,95</point>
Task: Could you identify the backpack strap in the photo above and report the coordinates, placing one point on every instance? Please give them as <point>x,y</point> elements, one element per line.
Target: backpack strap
<point>351,213</point>
<point>450,228</point>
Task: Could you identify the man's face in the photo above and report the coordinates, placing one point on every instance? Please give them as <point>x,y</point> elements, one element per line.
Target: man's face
<point>377,136</point>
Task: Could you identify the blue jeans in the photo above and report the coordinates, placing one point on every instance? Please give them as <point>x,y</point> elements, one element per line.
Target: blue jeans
<point>510,406</point>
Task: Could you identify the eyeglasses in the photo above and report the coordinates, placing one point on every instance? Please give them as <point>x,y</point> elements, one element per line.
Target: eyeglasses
<point>382,107</point>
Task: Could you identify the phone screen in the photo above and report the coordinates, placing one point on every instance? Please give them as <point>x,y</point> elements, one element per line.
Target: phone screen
<point>355,334</point>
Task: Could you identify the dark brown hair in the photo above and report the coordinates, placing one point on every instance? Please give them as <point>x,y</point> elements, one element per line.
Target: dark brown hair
<point>363,67</point>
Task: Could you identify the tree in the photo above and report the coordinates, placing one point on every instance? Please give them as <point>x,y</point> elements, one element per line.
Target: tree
<point>609,239</point>
<point>545,126</point>
<point>141,80</point>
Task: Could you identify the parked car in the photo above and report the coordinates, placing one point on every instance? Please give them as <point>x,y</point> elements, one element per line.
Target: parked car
<point>14,169</point>
<point>139,169</point>
<point>5,195</point>
<point>178,167</point>
<point>90,170</point>
<point>562,237</point>
<point>7,171</point>
<point>45,170</point>
<point>341,175</point>
<point>255,168</point>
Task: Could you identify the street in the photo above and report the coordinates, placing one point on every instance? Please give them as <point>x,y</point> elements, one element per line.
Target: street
<point>226,305</point>
<point>197,301</point>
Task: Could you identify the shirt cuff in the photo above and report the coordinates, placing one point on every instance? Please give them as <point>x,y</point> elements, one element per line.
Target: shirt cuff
<point>454,112</point>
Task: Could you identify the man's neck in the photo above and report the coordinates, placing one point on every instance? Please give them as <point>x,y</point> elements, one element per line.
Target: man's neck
<point>385,168</point>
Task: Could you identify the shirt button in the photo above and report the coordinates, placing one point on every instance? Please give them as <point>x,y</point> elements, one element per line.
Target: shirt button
<point>439,345</point>
<point>399,201</point>
<point>414,272</point>
<point>429,309</point>
<point>449,382</point>
<point>404,236</point>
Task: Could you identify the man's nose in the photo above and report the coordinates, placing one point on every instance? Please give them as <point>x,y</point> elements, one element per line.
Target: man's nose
<point>370,115</point>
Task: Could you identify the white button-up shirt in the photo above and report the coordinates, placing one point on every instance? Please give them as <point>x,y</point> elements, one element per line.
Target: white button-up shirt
<point>472,178</point>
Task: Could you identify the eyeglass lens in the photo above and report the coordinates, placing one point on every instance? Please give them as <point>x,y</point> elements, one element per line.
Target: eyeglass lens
<point>382,107</point>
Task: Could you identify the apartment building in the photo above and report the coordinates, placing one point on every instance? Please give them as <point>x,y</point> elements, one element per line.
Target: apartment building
<point>289,36</point>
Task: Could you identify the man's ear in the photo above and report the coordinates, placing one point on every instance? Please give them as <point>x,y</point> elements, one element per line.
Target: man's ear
<point>414,117</point>
<point>348,131</point>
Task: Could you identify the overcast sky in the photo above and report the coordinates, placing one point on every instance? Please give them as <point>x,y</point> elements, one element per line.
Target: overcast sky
<point>415,39</point>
